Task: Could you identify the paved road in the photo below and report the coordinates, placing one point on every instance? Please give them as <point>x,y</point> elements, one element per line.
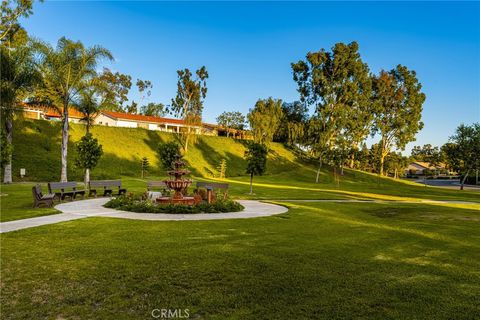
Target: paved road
<point>447,183</point>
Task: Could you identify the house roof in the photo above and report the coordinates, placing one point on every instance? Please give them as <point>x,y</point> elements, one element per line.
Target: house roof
<point>139,117</point>
<point>427,165</point>
<point>72,113</point>
<point>53,112</point>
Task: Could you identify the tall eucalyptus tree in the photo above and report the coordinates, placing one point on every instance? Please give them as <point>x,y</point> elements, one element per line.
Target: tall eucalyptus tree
<point>397,103</point>
<point>188,102</point>
<point>335,84</point>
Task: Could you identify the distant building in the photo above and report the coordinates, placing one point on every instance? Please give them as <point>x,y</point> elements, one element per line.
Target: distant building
<point>419,168</point>
<point>48,113</point>
<point>129,120</point>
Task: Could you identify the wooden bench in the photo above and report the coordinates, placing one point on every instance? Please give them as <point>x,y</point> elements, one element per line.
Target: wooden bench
<point>107,187</point>
<point>39,198</point>
<point>210,187</point>
<point>65,189</point>
<point>151,185</point>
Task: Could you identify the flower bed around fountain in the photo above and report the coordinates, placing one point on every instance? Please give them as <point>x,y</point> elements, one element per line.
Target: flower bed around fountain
<point>138,203</point>
<point>179,202</point>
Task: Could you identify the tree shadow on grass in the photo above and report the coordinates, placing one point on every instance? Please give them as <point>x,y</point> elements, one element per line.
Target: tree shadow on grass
<point>235,164</point>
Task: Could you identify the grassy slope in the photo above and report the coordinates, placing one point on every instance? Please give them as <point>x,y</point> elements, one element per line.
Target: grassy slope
<point>37,148</point>
<point>371,261</point>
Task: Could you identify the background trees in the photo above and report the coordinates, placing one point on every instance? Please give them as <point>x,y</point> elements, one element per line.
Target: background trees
<point>154,109</point>
<point>432,155</point>
<point>256,157</point>
<point>265,119</point>
<point>188,103</point>
<point>397,103</point>
<point>332,83</point>
<point>231,120</point>
<point>11,12</point>
<point>292,124</point>
<point>67,70</point>
<point>463,151</point>
<point>117,87</point>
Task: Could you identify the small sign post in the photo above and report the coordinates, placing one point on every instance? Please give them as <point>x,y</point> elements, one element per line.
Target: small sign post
<point>22,172</point>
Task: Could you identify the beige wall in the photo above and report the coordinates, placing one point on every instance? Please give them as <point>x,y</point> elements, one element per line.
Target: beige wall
<point>105,121</point>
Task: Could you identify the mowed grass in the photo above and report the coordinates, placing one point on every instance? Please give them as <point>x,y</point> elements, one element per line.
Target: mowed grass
<point>16,200</point>
<point>403,259</point>
<point>319,260</point>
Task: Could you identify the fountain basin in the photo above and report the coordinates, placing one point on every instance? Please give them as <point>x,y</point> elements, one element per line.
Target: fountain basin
<point>169,200</point>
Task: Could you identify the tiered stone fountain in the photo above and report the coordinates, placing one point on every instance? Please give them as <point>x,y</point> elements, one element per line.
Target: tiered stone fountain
<point>178,184</point>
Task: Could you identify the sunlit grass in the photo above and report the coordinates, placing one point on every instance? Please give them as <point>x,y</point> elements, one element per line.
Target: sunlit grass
<point>321,260</point>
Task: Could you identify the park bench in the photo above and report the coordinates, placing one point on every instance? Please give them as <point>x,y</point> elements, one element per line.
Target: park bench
<point>152,185</point>
<point>211,196</point>
<point>65,189</point>
<point>39,198</point>
<point>107,187</point>
<point>156,189</point>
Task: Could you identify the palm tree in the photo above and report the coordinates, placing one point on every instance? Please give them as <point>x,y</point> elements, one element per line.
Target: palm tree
<point>67,71</point>
<point>89,104</point>
<point>18,78</point>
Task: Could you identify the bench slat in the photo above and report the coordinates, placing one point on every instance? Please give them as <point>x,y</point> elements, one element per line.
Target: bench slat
<point>105,183</point>
<point>212,185</point>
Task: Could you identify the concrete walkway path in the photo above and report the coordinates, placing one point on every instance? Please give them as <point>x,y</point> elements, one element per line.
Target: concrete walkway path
<point>253,209</point>
<point>35,222</point>
<point>94,208</point>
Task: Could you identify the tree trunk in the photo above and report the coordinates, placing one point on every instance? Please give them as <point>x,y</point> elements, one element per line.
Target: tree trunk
<point>63,176</point>
<point>463,180</point>
<point>341,170</point>
<point>185,147</point>
<point>352,156</point>
<point>382,160</point>
<point>319,168</point>
<point>7,175</point>
<point>251,183</point>
<point>87,177</point>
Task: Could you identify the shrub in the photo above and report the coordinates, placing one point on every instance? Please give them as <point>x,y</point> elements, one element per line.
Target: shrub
<point>137,203</point>
<point>167,152</point>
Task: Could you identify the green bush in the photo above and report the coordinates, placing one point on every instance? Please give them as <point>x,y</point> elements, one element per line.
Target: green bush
<point>137,203</point>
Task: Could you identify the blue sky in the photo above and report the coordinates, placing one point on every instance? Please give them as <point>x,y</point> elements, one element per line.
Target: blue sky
<point>247,47</point>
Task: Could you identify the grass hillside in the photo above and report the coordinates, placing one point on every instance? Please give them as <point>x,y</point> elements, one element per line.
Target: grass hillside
<point>37,149</point>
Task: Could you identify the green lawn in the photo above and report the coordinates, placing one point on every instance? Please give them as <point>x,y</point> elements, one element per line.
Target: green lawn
<point>16,199</point>
<point>16,202</point>
<point>319,260</point>
<point>387,260</point>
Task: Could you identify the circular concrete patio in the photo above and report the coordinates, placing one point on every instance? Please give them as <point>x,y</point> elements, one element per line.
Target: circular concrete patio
<point>95,208</point>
